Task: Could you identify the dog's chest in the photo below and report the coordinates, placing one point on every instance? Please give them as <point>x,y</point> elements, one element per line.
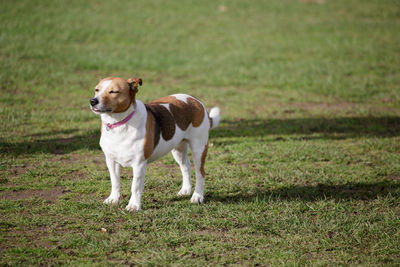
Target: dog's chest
<point>124,145</point>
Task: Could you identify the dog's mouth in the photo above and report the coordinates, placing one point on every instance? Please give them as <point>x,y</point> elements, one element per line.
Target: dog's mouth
<point>100,110</point>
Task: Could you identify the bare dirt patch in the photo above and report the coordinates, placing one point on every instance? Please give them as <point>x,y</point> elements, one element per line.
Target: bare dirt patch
<point>160,164</point>
<point>394,177</point>
<point>99,160</point>
<point>221,234</point>
<point>66,140</point>
<point>73,175</point>
<point>253,168</point>
<point>18,170</point>
<point>70,159</point>
<point>50,194</point>
<point>76,159</point>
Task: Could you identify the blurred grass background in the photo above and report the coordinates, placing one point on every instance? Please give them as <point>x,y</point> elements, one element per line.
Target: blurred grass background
<point>346,49</point>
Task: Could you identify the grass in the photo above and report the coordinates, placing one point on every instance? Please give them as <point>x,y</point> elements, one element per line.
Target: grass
<point>304,168</point>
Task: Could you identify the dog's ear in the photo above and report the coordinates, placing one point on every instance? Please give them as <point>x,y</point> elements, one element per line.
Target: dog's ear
<point>134,83</point>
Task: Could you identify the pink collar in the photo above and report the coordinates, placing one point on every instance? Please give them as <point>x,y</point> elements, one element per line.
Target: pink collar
<point>110,126</point>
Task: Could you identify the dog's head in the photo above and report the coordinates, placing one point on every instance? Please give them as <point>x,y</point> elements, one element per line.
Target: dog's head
<point>114,95</point>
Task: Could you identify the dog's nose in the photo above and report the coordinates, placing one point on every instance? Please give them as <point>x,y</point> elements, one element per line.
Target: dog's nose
<point>94,101</point>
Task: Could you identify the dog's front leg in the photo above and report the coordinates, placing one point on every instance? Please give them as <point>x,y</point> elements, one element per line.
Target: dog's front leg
<point>115,172</point>
<point>139,171</point>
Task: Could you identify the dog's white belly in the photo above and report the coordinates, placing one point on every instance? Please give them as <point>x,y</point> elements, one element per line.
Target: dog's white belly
<point>164,147</point>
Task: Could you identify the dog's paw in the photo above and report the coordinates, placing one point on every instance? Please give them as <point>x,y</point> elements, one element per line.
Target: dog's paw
<point>132,207</point>
<point>112,200</point>
<point>197,198</point>
<point>185,191</point>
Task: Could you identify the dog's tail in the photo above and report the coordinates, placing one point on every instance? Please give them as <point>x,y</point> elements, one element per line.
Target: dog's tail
<point>215,115</point>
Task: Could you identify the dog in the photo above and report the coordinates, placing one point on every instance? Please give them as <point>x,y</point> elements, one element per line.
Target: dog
<point>134,134</point>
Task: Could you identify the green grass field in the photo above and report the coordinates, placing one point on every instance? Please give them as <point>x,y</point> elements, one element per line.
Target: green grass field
<point>304,168</point>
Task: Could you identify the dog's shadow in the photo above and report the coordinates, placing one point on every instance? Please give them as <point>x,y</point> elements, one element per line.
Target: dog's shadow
<point>49,143</point>
<point>311,193</point>
<point>306,128</point>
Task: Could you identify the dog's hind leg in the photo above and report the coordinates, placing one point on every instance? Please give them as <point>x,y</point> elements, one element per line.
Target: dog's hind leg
<point>115,172</point>
<point>199,153</point>
<point>181,157</point>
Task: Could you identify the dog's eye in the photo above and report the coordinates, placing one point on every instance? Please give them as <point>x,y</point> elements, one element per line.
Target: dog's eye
<point>114,92</point>
<point>96,90</point>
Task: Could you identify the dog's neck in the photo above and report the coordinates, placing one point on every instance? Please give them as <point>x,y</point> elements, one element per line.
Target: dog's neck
<point>117,117</point>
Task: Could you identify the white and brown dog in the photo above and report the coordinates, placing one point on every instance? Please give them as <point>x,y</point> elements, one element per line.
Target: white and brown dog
<point>134,134</point>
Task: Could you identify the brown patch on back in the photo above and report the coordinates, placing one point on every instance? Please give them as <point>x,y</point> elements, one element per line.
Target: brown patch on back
<point>203,160</point>
<point>163,120</point>
<point>180,112</point>
<point>50,195</point>
<point>197,111</point>
<point>183,113</point>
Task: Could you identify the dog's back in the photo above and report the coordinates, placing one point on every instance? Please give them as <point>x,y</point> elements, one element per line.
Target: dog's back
<point>177,118</point>
<point>176,111</point>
